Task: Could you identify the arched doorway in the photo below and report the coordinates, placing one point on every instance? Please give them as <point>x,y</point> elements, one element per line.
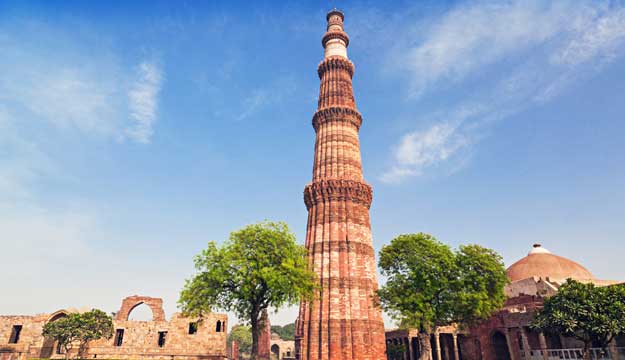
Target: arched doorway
<point>500,346</point>
<point>50,346</point>
<point>131,302</point>
<point>141,312</point>
<point>275,351</point>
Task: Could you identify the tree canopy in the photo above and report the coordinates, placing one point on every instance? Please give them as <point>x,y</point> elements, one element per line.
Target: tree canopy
<point>259,266</point>
<point>243,336</point>
<point>429,285</point>
<point>585,312</point>
<point>79,329</point>
<point>286,332</point>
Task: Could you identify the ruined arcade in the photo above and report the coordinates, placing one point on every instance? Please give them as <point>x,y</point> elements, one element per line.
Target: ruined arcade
<point>177,338</point>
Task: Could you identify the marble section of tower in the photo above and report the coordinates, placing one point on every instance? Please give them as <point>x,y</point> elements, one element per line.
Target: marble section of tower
<point>344,322</point>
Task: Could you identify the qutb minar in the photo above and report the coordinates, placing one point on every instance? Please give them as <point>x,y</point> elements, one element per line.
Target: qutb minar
<point>344,321</point>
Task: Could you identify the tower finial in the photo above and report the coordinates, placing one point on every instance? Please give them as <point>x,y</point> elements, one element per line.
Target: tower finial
<point>335,40</point>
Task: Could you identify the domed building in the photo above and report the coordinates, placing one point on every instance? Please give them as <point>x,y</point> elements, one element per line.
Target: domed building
<point>540,262</point>
<point>507,334</point>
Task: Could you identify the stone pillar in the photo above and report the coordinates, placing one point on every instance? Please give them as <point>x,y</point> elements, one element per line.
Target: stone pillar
<point>456,352</point>
<point>543,345</point>
<point>406,348</point>
<point>264,340</point>
<point>526,344</point>
<point>511,350</point>
<point>613,350</point>
<point>234,350</point>
<point>437,342</point>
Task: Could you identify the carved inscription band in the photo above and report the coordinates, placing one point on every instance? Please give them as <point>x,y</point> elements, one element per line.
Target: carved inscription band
<point>358,248</point>
<point>336,113</point>
<point>338,190</point>
<point>335,63</point>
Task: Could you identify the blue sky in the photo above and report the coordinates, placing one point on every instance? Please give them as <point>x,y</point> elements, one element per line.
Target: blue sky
<point>131,134</point>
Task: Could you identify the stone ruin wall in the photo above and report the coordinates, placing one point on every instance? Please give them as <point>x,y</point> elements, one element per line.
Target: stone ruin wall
<point>140,338</point>
<point>30,336</point>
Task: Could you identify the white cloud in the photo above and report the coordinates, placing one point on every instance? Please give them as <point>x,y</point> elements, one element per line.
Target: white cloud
<point>21,161</point>
<point>419,150</point>
<point>143,97</point>
<point>478,34</point>
<point>264,97</point>
<point>58,93</point>
<point>546,48</point>
<point>253,103</point>
<point>602,37</point>
<point>59,79</point>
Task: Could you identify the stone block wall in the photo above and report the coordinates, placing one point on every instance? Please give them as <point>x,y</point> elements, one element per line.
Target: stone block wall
<point>158,339</point>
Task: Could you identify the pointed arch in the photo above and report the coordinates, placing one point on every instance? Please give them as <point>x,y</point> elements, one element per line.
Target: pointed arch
<point>131,302</point>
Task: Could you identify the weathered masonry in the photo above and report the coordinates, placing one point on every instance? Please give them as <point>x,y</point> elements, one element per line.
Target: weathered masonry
<point>507,334</point>
<point>179,338</point>
<point>343,323</point>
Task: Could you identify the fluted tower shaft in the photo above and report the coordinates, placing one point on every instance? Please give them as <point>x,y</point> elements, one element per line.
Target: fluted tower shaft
<point>344,322</point>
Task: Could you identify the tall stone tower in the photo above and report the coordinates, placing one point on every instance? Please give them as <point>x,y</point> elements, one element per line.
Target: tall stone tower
<point>343,323</point>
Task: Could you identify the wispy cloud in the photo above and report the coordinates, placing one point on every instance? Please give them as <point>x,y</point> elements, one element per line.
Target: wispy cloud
<point>56,78</point>
<point>534,51</point>
<point>420,149</point>
<point>143,98</point>
<point>602,37</point>
<point>22,162</point>
<point>260,98</point>
<point>475,35</point>
<point>57,91</point>
<point>55,85</point>
<point>254,102</point>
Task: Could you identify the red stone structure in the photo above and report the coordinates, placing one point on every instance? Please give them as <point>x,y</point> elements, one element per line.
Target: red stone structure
<point>234,351</point>
<point>344,322</point>
<point>507,334</point>
<point>264,340</point>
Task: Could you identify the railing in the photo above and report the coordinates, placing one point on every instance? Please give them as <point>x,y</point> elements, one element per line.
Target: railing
<point>573,354</point>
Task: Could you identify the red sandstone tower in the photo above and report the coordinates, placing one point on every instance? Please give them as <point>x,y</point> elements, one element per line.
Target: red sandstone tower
<point>344,323</point>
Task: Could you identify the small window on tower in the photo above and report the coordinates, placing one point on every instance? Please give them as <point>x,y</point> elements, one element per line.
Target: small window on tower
<point>15,334</point>
<point>162,335</point>
<point>218,327</point>
<point>119,337</point>
<point>192,328</point>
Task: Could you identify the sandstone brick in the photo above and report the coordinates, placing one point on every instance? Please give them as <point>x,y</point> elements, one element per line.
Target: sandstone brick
<point>140,338</point>
<point>343,322</point>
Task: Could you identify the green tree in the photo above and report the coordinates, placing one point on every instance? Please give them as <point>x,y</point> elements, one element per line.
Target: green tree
<point>243,336</point>
<point>429,285</point>
<point>79,329</point>
<point>286,332</point>
<point>585,312</point>
<point>257,267</point>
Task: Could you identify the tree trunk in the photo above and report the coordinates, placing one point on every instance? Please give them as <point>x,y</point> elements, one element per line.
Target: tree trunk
<point>586,353</point>
<point>425,346</point>
<point>67,350</point>
<point>82,350</point>
<point>255,329</point>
